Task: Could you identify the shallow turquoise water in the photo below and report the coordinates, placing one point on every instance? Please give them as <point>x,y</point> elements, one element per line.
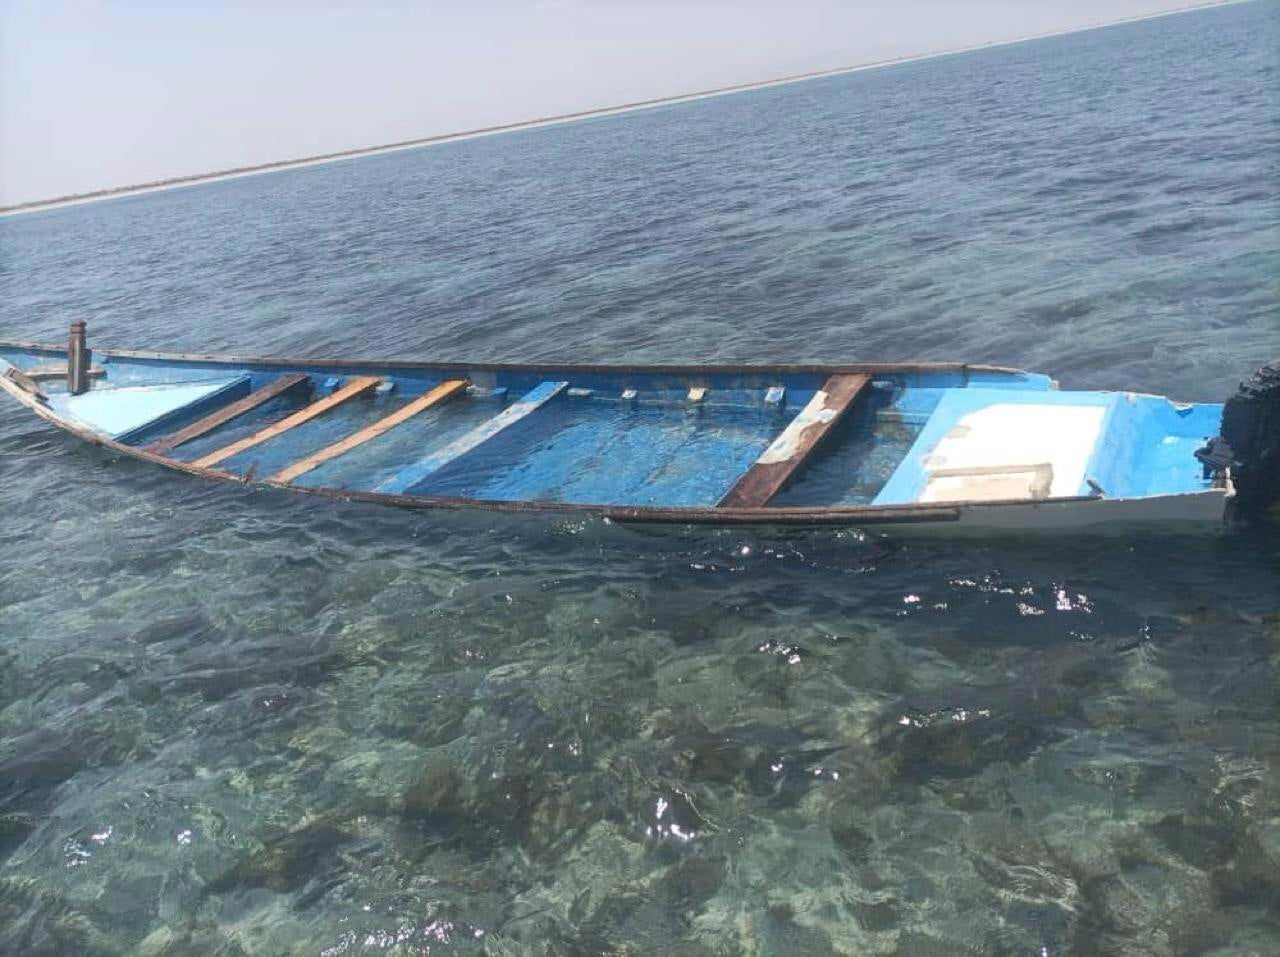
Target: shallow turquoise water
<point>248,722</point>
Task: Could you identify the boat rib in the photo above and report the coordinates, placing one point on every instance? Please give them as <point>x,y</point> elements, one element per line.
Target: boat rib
<point>356,387</point>
<point>791,450</point>
<point>221,417</point>
<point>435,396</point>
<point>530,402</point>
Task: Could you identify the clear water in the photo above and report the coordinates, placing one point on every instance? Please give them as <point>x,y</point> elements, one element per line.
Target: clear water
<point>237,722</point>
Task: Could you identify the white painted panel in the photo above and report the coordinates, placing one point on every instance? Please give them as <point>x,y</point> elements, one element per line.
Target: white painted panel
<point>1001,442</point>
<point>117,411</point>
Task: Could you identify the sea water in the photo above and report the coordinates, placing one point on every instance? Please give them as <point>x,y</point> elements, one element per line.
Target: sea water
<point>239,722</point>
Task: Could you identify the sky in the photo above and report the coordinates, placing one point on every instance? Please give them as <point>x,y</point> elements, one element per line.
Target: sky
<point>105,93</point>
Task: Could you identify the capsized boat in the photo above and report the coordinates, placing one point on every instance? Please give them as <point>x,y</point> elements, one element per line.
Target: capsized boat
<point>953,444</point>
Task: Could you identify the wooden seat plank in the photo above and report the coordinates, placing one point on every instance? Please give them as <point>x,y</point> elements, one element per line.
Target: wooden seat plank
<point>355,387</point>
<point>441,392</point>
<point>789,452</point>
<point>234,410</point>
<point>530,402</point>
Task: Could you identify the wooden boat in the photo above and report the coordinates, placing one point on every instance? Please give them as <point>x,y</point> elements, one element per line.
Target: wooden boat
<point>948,444</point>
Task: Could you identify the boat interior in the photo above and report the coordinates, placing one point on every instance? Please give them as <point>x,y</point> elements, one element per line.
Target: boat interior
<point>670,437</point>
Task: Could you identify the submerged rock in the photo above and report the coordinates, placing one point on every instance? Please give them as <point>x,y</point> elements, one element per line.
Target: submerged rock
<point>1162,906</point>
<point>848,823</point>
<point>958,742</point>
<point>439,789</point>
<point>694,880</point>
<point>1200,844</point>
<point>36,922</point>
<point>14,828</point>
<point>479,806</point>
<point>715,758</point>
<point>287,863</point>
<point>556,816</point>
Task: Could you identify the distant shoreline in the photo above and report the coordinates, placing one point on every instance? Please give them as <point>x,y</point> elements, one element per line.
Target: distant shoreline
<point>179,182</point>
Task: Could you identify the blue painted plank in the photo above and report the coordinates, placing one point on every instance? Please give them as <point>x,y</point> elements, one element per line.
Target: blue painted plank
<point>611,453</point>
<point>530,402</point>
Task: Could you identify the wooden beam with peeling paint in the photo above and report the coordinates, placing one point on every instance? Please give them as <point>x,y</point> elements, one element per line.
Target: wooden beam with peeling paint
<point>356,387</point>
<point>219,418</point>
<point>790,451</point>
<point>435,396</point>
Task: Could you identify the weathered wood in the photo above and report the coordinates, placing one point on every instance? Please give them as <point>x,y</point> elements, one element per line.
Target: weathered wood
<point>48,373</point>
<point>356,387</point>
<point>78,356</point>
<point>24,382</point>
<point>441,392</point>
<point>234,410</point>
<point>789,452</point>
<point>530,402</point>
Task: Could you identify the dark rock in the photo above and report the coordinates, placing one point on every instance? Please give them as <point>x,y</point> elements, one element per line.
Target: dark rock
<point>667,724</point>
<point>37,923</point>
<point>183,627</point>
<point>628,923</point>
<point>439,790</point>
<point>479,806</point>
<point>694,880</point>
<point>1200,845</point>
<point>43,759</point>
<point>709,757</point>
<point>14,828</point>
<point>846,831</point>
<point>878,917</point>
<point>287,863</point>
<point>555,816</point>
<point>9,676</point>
<point>782,912</point>
<point>955,743</point>
<point>1252,878</point>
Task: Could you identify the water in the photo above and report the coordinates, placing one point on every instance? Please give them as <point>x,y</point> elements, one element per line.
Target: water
<point>238,722</point>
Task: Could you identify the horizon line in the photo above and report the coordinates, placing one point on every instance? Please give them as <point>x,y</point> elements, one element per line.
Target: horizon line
<point>257,169</point>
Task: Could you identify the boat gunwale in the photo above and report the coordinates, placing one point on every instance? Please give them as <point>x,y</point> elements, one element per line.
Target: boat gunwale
<point>807,368</point>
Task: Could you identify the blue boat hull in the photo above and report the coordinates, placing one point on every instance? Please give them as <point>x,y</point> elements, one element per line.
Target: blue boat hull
<point>952,444</point>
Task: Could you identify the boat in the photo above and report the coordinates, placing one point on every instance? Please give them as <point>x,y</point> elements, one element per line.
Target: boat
<point>944,445</point>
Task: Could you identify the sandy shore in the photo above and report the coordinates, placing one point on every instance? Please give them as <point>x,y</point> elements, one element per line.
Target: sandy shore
<point>179,182</point>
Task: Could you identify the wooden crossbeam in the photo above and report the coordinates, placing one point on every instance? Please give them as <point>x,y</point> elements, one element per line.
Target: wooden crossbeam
<point>441,392</point>
<point>356,387</point>
<point>530,402</point>
<point>234,410</point>
<point>789,452</point>
<point>49,373</point>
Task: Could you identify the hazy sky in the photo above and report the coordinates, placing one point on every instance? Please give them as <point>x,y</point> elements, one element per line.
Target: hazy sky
<point>98,93</point>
